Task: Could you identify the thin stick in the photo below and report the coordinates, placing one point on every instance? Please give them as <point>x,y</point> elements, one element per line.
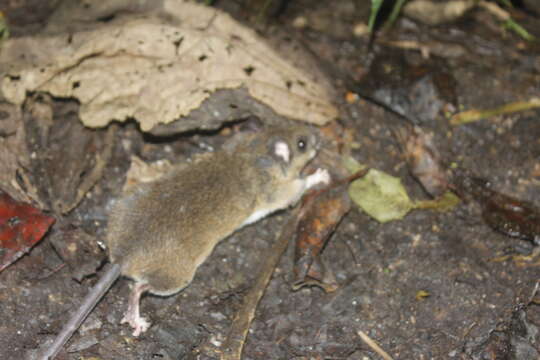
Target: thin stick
<point>373,345</point>
<point>475,115</point>
<point>94,295</point>
<point>234,344</point>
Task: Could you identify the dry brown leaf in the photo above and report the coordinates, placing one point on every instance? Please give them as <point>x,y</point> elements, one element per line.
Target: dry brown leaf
<point>14,155</point>
<point>423,159</point>
<point>157,67</point>
<point>320,217</point>
<point>506,214</point>
<point>65,159</point>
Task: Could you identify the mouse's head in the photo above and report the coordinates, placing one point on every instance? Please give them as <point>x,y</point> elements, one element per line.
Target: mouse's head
<point>292,147</point>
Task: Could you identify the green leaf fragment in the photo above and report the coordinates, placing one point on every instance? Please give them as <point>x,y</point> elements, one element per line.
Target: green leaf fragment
<point>384,198</point>
<point>518,29</point>
<point>380,195</point>
<point>396,10</point>
<point>375,7</point>
<point>4,29</point>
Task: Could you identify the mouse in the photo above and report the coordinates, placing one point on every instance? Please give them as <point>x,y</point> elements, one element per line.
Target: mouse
<point>160,232</point>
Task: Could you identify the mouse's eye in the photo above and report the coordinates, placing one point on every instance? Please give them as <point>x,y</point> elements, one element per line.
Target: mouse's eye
<point>301,144</point>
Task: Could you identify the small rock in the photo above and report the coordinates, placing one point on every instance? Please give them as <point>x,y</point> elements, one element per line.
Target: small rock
<point>83,343</point>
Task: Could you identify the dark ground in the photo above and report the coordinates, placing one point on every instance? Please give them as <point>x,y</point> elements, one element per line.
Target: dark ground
<point>473,310</point>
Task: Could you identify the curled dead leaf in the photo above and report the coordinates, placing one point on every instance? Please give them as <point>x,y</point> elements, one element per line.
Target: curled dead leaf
<point>319,219</point>
<point>503,213</point>
<point>423,159</point>
<point>158,66</point>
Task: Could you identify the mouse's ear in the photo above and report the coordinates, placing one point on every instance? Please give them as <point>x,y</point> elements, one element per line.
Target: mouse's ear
<point>280,150</point>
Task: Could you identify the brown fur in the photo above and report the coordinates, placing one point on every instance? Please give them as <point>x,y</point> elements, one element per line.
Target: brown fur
<point>162,231</point>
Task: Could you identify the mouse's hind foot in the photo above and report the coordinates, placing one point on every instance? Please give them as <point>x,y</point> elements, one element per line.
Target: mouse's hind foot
<point>138,323</point>
<point>132,315</point>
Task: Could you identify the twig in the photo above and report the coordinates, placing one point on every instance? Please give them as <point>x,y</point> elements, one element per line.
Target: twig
<point>534,292</point>
<point>495,10</point>
<point>474,115</point>
<point>234,344</point>
<point>373,345</point>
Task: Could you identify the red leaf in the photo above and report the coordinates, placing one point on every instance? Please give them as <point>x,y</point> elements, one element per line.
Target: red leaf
<point>21,227</point>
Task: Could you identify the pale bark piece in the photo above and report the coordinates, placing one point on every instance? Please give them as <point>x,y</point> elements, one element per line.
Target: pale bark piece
<point>437,12</point>
<point>158,66</point>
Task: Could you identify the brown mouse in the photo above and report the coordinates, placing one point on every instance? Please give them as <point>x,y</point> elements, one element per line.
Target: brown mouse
<point>160,232</point>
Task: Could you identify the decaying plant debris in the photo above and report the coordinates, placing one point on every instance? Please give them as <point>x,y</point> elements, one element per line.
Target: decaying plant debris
<point>321,213</point>
<point>381,272</point>
<point>158,66</point>
<point>423,159</point>
<point>67,158</point>
<point>511,216</point>
<point>21,227</point>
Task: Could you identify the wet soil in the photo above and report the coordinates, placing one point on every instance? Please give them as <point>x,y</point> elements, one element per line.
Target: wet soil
<point>476,308</point>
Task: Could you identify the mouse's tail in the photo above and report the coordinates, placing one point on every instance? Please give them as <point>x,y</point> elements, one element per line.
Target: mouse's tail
<point>93,297</point>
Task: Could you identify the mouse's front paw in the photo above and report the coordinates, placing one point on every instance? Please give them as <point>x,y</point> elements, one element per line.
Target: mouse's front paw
<point>318,177</point>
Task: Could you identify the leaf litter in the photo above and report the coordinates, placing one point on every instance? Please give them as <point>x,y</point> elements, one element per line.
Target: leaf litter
<point>158,67</point>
